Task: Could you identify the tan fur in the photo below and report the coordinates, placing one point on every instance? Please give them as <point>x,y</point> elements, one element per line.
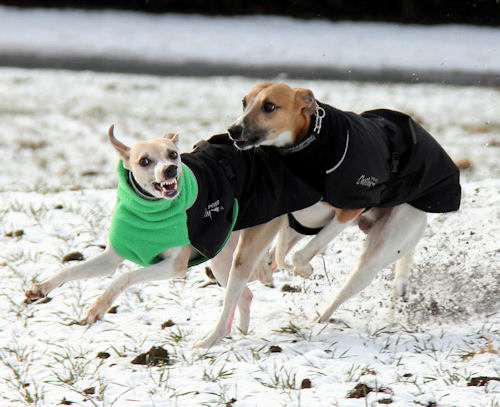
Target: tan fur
<point>293,113</point>
<point>392,233</point>
<point>246,253</point>
<point>346,215</point>
<point>181,262</point>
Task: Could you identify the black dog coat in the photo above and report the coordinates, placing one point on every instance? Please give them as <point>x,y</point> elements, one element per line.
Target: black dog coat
<point>239,189</point>
<point>381,158</point>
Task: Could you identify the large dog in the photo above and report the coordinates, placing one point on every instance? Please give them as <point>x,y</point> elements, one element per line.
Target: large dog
<point>173,211</point>
<point>379,169</point>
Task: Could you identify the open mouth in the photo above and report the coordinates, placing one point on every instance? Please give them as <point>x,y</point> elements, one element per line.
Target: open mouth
<point>168,188</point>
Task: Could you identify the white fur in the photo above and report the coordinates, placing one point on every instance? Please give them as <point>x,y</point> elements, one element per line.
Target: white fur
<point>228,272</point>
<point>392,238</point>
<point>281,140</point>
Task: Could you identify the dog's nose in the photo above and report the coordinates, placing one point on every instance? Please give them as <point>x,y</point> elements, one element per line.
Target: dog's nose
<point>235,131</point>
<point>170,171</point>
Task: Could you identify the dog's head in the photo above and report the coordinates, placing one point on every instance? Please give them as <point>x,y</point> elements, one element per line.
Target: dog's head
<point>273,114</point>
<point>155,164</point>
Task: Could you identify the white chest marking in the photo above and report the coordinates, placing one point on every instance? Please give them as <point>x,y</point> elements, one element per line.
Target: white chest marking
<point>282,140</point>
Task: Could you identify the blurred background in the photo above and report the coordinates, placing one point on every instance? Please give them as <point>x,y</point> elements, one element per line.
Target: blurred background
<point>483,12</point>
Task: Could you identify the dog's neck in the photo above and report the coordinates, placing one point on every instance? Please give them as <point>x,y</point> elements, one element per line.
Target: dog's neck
<point>140,190</point>
<point>308,135</point>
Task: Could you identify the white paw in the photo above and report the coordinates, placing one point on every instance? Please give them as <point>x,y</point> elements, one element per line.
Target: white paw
<point>36,291</point>
<point>324,317</point>
<point>210,340</point>
<point>303,270</point>
<point>96,311</point>
<point>301,267</point>
<point>263,273</point>
<point>321,319</point>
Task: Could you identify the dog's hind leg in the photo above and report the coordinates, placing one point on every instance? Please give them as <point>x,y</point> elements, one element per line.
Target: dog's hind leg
<point>402,271</point>
<point>103,264</point>
<point>251,247</point>
<point>174,265</point>
<point>390,238</point>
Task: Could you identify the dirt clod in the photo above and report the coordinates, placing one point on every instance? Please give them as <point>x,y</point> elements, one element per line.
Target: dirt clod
<point>481,380</point>
<point>167,324</point>
<point>73,256</point>
<point>274,349</point>
<point>103,355</point>
<point>287,288</point>
<point>306,384</point>
<point>15,233</point>
<point>156,356</point>
<point>113,310</point>
<point>359,391</point>
<point>90,390</point>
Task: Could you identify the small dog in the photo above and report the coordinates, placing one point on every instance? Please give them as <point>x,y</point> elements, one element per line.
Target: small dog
<point>173,211</point>
<point>379,169</point>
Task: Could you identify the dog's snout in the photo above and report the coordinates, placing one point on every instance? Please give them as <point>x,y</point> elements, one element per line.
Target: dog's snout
<point>235,131</point>
<point>170,171</point>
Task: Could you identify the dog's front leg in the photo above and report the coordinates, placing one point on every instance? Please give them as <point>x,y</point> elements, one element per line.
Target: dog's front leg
<point>175,264</point>
<point>301,259</point>
<point>103,264</point>
<point>251,247</point>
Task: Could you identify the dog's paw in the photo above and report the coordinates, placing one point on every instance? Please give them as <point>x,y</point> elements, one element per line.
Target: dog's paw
<point>93,315</point>
<point>264,275</point>
<point>211,339</point>
<point>36,291</point>
<point>321,319</point>
<point>96,311</point>
<point>263,272</point>
<point>303,270</point>
<point>301,267</point>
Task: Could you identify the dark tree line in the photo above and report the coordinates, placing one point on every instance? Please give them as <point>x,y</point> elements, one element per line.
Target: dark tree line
<point>482,12</point>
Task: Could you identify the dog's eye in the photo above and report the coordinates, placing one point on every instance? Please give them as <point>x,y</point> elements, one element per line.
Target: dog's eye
<point>173,155</point>
<point>269,107</point>
<point>144,161</point>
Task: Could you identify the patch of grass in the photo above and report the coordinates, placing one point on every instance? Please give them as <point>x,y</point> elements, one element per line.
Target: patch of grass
<point>474,349</point>
<point>215,373</point>
<point>294,329</point>
<point>20,380</point>
<point>278,378</point>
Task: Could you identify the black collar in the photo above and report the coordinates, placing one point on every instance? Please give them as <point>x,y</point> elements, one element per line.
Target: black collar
<point>318,116</point>
<point>139,190</point>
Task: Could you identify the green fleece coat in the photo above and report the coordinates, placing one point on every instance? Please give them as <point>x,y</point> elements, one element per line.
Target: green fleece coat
<point>141,229</point>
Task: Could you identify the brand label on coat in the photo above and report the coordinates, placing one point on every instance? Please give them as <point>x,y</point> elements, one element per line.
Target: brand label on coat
<point>214,207</point>
<point>367,181</point>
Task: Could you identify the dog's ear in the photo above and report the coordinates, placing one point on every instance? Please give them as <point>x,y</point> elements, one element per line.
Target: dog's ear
<point>122,150</point>
<point>306,99</point>
<point>172,136</point>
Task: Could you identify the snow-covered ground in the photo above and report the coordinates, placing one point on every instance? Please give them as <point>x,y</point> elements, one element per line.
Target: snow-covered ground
<point>56,197</point>
<point>249,41</point>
